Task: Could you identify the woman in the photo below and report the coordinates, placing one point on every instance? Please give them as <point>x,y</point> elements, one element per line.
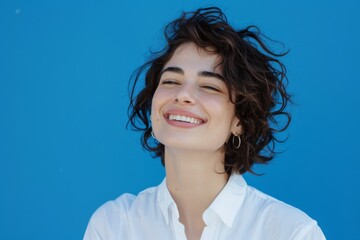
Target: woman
<point>209,110</point>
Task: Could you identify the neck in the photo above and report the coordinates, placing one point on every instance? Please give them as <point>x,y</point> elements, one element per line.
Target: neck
<point>194,179</point>
<point>192,171</point>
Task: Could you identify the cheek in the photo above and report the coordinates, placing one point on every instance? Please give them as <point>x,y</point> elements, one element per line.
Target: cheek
<point>156,103</point>
<point>154,110</point>
<point>155,99</point>
<point>224,112</point>
<point>220,106</point>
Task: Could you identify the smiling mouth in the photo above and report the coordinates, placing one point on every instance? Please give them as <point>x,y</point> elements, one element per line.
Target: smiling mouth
<point>186,119</point>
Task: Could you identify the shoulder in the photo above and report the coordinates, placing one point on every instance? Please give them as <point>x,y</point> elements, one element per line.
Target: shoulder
<point>269,205</point>
<point>125,203</point>
<point>279,218</point>
<point>110,219</point>
<point>114,209</point>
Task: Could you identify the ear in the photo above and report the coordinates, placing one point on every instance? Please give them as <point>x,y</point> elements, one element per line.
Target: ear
<point>236,128</point>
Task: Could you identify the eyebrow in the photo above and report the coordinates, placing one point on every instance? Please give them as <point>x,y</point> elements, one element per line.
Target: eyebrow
<point>201,73</point>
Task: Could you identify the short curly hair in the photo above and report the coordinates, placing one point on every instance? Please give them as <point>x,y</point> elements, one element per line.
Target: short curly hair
<point>252,73</point>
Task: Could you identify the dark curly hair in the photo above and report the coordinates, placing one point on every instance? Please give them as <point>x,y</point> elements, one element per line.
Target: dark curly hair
<point>252,73</point>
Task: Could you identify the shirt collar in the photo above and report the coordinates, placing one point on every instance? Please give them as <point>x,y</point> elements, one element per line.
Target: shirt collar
<point>225,205</point>
<point>165,200</point>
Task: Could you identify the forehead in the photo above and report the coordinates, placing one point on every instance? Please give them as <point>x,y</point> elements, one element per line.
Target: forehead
<point>190,56</point>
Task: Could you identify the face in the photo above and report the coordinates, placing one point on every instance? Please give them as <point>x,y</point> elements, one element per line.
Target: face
<point>191,107</point>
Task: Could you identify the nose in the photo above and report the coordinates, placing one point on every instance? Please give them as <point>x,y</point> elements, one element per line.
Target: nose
<point>185,95</point>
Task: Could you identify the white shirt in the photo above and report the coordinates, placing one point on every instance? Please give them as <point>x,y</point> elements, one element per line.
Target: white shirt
<point>238,212</point>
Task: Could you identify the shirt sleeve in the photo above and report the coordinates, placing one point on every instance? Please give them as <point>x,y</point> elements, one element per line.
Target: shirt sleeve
<point>109,221</point>
<point>311,233</point>
<point>104,224</point>
<point>98,226</point>
<point>91,233</point>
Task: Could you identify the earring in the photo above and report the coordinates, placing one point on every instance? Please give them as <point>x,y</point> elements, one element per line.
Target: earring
<point>236,141</point>
<point>153,135</point>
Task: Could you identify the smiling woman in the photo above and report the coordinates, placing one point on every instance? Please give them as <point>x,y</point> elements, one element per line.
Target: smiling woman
<point>210,99</point>
<point>191,87</point>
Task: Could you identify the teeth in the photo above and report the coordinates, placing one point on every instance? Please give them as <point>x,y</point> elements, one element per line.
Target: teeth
<point>184,119</point>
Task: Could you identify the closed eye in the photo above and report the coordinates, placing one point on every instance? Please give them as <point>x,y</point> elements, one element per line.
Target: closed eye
<point>211,88</point>
<point>170,82</point>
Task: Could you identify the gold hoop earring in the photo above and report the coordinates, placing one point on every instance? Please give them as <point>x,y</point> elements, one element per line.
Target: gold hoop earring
<point>236,141</point>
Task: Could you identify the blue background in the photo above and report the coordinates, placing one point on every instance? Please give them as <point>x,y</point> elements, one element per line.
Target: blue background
<point>64,69</point>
